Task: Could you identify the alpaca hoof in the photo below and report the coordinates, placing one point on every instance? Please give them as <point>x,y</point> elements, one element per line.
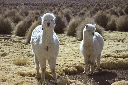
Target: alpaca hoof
<point>98,69</point>
<point>91,73</point>
<point>84,72</point>
<point>37,76</point>
<point>42,81</point>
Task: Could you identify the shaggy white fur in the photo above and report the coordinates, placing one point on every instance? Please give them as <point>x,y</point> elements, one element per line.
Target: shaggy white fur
<point>45,45</point>
<point>91,47</point>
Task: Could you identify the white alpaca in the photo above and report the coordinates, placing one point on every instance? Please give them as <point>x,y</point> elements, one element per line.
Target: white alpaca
<point>91,47</point>
<point>45,45</point>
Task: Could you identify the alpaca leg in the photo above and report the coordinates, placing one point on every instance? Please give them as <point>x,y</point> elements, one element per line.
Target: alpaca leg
<point>98,61</point>
<point>92,68</point>
<point>43,68</point>
<point>36,65</point>
<point>85,68</point>
<point>86,65</point>
<point>92,63</point>
<point>52,63</point>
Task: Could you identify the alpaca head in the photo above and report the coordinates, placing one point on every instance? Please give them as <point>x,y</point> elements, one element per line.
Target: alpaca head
<point>48,20</point>
<point>90,30</point>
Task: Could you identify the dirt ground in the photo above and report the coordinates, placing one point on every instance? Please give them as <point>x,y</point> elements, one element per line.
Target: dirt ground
<point>17,62</point>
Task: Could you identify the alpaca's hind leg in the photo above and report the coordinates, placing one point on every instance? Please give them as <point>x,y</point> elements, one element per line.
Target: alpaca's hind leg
<point>98,61</point>
<point>52,63</point>
<point>36,65</point>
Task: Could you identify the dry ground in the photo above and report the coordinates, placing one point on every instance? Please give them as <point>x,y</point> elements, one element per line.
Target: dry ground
<point>17,62</point>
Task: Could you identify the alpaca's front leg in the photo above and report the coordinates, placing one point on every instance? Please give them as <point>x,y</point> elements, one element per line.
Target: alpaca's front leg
<point>52,63</point>
<point>86,65</point>
<point>43,68</point>
<point>43,73</point>
<point>85,68</point>
<point>92,68</point>
<point>54,75</point>
<point>92,63</point>
<point>36,65</point>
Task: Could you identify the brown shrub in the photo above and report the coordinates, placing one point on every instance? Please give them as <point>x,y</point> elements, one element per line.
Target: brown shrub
<point>32,27</point>
<point>120,12</point>
<point>126,9</point>
<point>5,26</point>
<point>111,25</point>
<point>10,13</point>
<point>67,14</point>
<point>122,23</point>
<point>113,11</point>
<point>71,30</point>
<point>70,71</point>
<point>60,25</point>
<point>21,61</point>
<point>23,26</point>
<point>101,18</point>
<point>16,18</point>
<point>83,12</point>
<point>93,11</point>
<point>99,29</point>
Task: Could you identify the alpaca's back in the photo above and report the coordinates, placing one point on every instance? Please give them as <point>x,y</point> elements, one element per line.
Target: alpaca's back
<point>100,41</point>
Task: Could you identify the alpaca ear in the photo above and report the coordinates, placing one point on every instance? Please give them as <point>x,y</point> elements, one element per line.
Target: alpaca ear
<point>94,24</point>
<point>41,17</point>
<point>86,26</point>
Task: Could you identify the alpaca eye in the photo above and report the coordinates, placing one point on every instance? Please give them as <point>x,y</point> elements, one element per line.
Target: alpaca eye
<point>51,20</point>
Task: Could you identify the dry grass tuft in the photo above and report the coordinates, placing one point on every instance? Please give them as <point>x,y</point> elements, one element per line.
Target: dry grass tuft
<point>70,71</point>
<point>101,18</point>
<point>20,61</point>
<point>16,18</point>
<point>32,27</point>
<point>126,9</point>
<point>123,82</point>
<point>26,73</point>
<point>71,30</point>
<point>121,23</point>
<point>67,12</point>
<point>79,68</point>
<point>63,81</point>
<point>3,54</point>
<point>100,29</point>
<point>23,26</point>
<point>114,63</point>
<point>111,25</point>
<point>60,25</point>
<point>5,26</point>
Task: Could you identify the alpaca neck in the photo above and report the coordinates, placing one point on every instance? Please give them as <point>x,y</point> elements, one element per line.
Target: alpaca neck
<point>88,40</point>
<point>48,35</point>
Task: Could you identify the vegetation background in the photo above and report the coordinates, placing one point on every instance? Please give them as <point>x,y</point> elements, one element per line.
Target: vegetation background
<point>18,18</point>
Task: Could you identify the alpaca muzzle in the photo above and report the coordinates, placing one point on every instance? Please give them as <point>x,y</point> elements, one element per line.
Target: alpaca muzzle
<point>48,24</point>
